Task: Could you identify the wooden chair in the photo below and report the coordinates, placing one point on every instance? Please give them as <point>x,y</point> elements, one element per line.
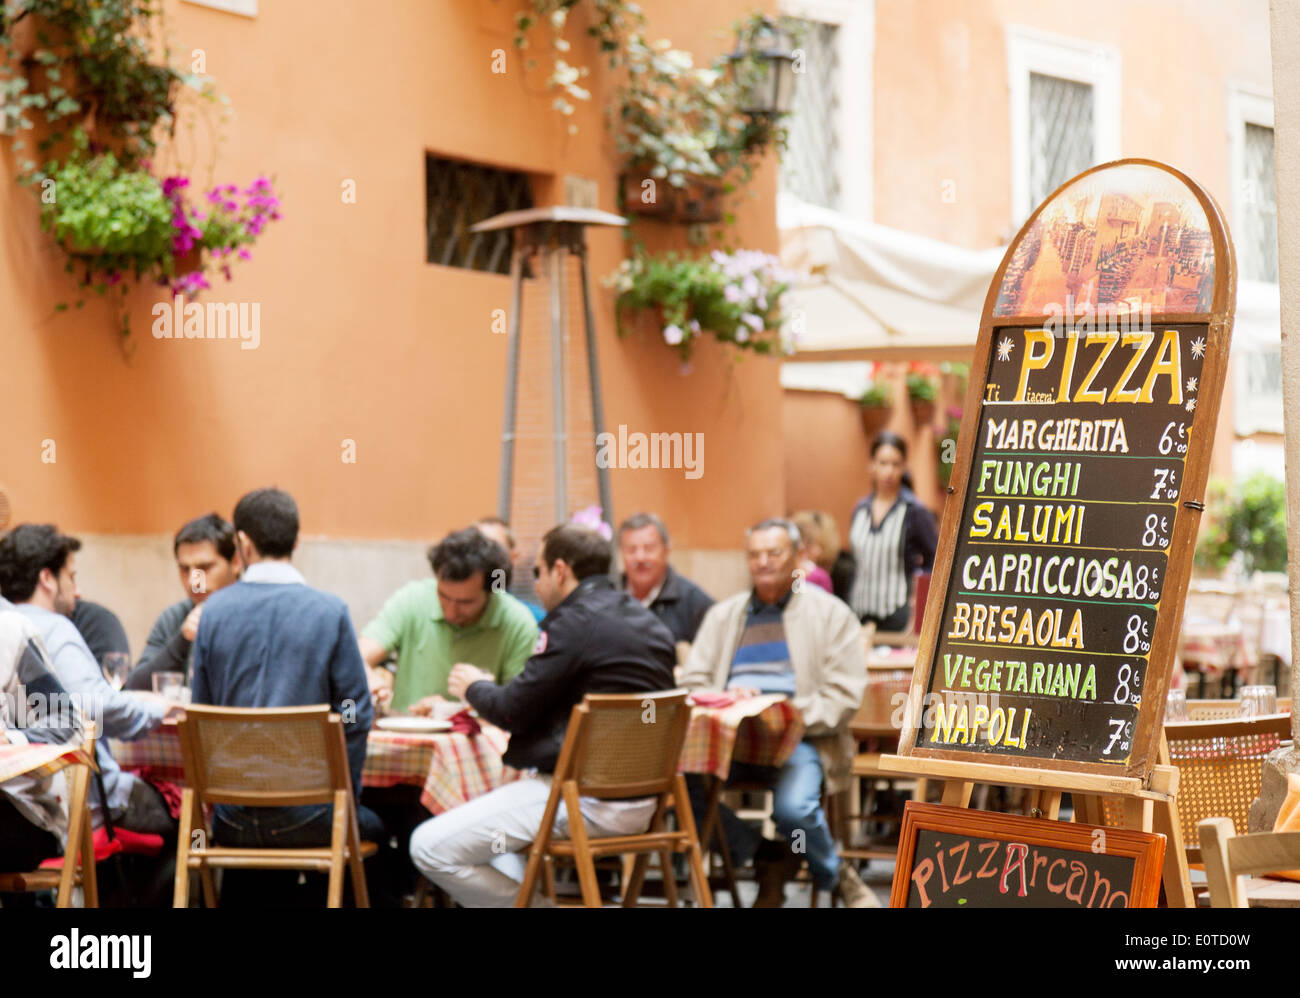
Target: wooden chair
<point>266,757</point>
<point>78,868</point>
<point>1230,858</point>
<point>1220,768</point>
<point>612,752</point>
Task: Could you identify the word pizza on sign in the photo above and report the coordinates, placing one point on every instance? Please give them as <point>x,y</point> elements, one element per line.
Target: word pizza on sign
<point>956,858</point>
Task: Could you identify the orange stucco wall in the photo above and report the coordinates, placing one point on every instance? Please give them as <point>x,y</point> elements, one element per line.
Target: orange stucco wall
<point>942,112</point>
<point>361,339</point>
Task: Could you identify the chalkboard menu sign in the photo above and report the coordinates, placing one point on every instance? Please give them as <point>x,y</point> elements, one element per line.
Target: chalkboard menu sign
<point>1066,543</point>
<point>955,858</point>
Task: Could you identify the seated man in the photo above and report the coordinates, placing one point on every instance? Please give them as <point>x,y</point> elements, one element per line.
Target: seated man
<point>38,574</point>
<point>458,616</point>
<point>33,708</point>
<point>206,561</point>
<point>270,640</point>
<point>805,644</point>
<point>594,639</point>
<point>677,601</point>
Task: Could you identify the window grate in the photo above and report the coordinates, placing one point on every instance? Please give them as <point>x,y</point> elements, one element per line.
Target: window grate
<point>1061,134</point>
<point>1259,196</point>
<point>810,165</point>
<point>458,195</point>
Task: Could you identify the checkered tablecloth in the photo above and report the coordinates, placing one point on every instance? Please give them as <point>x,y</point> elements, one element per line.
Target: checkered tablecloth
<point>37,760</point>
<point>763,730</point>
<point>450,768</point>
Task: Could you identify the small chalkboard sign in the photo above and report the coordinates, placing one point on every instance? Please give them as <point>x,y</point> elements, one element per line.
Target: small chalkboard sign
<point>952,857</point>
<point>1066,545</point>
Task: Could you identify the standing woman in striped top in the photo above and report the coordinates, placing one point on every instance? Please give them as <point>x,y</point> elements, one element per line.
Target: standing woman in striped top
<point>892,536</point>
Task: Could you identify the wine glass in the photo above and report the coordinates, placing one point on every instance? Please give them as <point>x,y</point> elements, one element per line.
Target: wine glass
<point>116,666</point>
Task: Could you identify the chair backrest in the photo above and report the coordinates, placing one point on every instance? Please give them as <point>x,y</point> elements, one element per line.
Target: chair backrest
<point>264,756</point>
<point>1230,858</point>
<point>1220,766</point>
<point>1213,710</point>
<point>621,745</point>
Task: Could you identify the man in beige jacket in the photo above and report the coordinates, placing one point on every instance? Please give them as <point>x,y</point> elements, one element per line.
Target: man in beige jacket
<point>785,636</point>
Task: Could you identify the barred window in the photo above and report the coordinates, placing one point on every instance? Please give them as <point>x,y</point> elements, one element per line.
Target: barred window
<point>460,194</point>
<point>810,164</point>
<point>1259,204</point>
<point>1061,134</point>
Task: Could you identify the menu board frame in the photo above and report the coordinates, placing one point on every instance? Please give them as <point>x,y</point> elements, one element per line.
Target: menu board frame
<point>1217,331</point>
<point>1146,849</point>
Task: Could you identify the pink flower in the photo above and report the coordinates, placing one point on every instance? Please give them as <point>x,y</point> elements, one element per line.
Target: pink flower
<point>591,519</point>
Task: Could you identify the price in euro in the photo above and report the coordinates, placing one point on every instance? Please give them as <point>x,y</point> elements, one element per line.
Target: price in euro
<point>1174,439</point>
<point>1165,484</point>
<point>1156,533</point>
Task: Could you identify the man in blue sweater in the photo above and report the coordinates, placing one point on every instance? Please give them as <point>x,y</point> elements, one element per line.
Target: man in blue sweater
<point>270,640</point>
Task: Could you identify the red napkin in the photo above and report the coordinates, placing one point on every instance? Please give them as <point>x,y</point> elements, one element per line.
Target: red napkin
<point>171,793</point>
<point>463,724</point>
<point>132,843</point>
<point>704,698</point>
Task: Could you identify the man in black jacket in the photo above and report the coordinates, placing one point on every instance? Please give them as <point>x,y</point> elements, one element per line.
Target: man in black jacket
<point>594,639</point>
<point>676,600</point>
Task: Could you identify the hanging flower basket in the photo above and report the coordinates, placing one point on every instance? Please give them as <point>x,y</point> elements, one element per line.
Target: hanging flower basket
<point>874,419</point>
<point>697,201</point>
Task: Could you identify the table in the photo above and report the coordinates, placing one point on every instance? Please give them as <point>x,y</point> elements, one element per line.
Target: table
<point>38,760</point>
<point>764,730</point>
<point>450,767</point>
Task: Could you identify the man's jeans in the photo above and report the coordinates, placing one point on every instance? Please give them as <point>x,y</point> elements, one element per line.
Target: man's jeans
<point>796,811</point>
<point>303,827</point>
<point>286,827</point>
<point>471,851</point>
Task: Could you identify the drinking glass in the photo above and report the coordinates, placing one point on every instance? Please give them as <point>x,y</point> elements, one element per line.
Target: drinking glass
<point>116,666</point>
<point>1176,706</point>
<point>171,686</point>
<point>1256,700</point>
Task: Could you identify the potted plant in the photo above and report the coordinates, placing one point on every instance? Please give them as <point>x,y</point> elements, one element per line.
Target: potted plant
<point>876,405</point>
<point>921,393</point>
<point>115,222</point>
<point>734,296</point>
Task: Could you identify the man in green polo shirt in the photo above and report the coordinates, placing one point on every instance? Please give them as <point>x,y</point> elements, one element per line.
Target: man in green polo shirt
<point>463,614</point>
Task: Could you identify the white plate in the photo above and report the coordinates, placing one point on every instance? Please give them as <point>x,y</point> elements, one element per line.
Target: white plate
<point>421,725</point>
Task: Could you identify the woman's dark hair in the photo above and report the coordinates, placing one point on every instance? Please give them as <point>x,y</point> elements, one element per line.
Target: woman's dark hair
<point>888,438</point>
<point>270,519</point>
<point>27,549</point>
<point>211,528</point>
<point>463,552</point>
<point>581,548</point>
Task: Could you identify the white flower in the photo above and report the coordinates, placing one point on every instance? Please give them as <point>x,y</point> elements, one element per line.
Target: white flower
<point>564,73</point>
<point>558,17</point>
<point>742,334</point>
<point>753,321</point>
<point>750,286</point>
<point>732,293</point>
<point>695,326</point>
<point>672,335</point>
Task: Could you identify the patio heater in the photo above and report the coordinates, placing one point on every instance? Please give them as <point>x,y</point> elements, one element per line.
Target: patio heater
<point>545,242</point>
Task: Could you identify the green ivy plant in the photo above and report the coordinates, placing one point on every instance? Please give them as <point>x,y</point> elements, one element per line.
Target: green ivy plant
<point>674,119</point>
<point>1248,521</point>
